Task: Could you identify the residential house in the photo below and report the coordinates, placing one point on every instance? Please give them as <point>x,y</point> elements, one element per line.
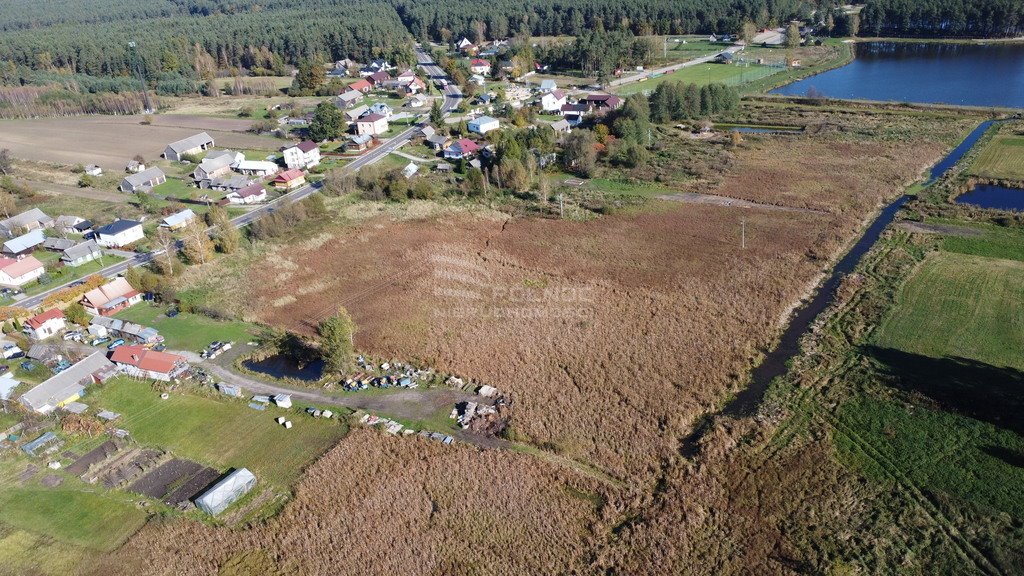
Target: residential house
<point>68,385</point>
<point>479,66</point>
<point>217,164</point>
<point>483,124</point>
<point>27,220</point>
<point>16,273</point>
<point>42,326</point>
<point>251,194</point>
<point>561,126</point>
<point>466,47</point>
<point>119,233</point>
<point>410,87</point>
<point>553,101</point>
<point>547,85</point>
<point>358,143</point>
<point>103,326</point>
<point>362,85</point>
<point>427,131</point>
<point>24,244</point>
<point>373,124</point>
<point>477,79</point>
<point>462,148</point>
<point>348,99</point>
<point>305,154</point>
<point>179,220</point>
<point>93,170</point>
<point>231,183</point>
<point>141,362</point>
<point>81,253</point>
<point>574,112</point>
<point>374,67</point>
<point>289,179</point>
<point>603,103</point>
<point>410,170</point>
<point>379,79</point>
<point>417,101</point>
<point>67,224</point>
<point>83,227</point>
<point>437,141</point>
<point>134,167</point>
<point>261,168</point>
<point>143,181</point>
<point>382,109</point>
<point>188,146</point>
<point>111,298</point>
<point>355,113</point>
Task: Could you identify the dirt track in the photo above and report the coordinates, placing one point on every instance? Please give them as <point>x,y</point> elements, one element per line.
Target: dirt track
<point>111,141</point>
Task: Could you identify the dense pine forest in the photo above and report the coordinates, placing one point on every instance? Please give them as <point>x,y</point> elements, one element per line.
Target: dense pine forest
<point>182,46</point>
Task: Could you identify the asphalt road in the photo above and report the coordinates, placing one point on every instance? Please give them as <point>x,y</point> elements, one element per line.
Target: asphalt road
<point>452,95</point>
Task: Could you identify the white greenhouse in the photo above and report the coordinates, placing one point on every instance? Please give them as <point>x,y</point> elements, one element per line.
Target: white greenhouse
<point>224,493</point>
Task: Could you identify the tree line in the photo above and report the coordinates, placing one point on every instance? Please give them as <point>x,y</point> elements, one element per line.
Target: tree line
<point>943,18</point>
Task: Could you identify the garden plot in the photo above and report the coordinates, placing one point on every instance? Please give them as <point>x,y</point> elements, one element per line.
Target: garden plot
<point>169,478</point>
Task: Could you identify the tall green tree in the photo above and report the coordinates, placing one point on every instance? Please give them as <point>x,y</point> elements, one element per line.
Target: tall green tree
<point>337,346</point>
<point>327,124</point>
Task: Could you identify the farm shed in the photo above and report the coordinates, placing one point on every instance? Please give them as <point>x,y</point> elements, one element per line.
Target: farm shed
<point>191,145</point>
<point>68,385</point>
<point>224,493</point>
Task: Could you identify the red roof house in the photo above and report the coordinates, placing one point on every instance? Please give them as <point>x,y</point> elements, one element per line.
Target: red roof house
<point>46,324</point>
<point>142,362</point>
<point>290,179</point>
<point>363,85</point>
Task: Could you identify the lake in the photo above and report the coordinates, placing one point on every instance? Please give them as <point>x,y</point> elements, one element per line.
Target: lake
<point>996,197</point>
<point>965,74</point>
<point>282,366</point>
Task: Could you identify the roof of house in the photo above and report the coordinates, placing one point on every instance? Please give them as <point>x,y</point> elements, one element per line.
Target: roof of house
<point>25,218</point>
<point>289,175</point>
<point>609,99</point>
<point>15,268</point>
<point>379,76</point>
<point>479,62</point>
<point>465,145</point>
<point>67,221</point>
<point>117,226</point>
<point>146,359</point>
<point>58,244</point>
<point>577,107</point>
<point>360,84</point>
<point>438,139</point>
<point>483,120</point>
<point>39,319</point>
<point>116,288</point>
<point>562,124</point>
<point>251,190</point>
<point>548,84</point>
<point>191,142</point>
<point>79,250</point>
<point>358,111</point>
<point>141,178</point>
<point>83,225</point>
<point>361,138</point>
<point>558,94</point>
<point>351,95</point>
<point>65,384</point>
<point>307,146</point>
<point>25,242</point>
<point>214,163</point>
<point>178,218</point>
<point>258,165</point>
<point>371,118</point>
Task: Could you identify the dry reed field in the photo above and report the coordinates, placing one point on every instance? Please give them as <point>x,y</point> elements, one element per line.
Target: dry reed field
<point>378,504</point>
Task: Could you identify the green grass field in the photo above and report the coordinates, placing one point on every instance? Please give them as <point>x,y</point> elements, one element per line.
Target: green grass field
<point>81,515</point>
<point>1001,158</point>
<point>221,432</point>
<point>703,74</point>
<point>959,305</point>
<point>185,331</point>
<point>994,242</point>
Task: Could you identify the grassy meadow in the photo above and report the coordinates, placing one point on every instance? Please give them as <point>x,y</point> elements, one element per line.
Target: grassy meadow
<point>703,74</point>
<point>187,331</point>
<point>1002,158</point>
<point>959,305</point>
<point>221,432</point>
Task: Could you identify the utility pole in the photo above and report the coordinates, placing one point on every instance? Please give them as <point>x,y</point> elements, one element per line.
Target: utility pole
<point>561,206</point>
<point>137,65</point>
<point>743,233</point>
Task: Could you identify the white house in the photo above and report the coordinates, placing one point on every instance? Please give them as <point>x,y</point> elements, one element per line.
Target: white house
<point>553,101</point>
<point>249,195</point>
<point>373,124</point>
<point>479,66</point>
<point>305,154</point>
<point>483,124</point>
<point>119,233</point>
<point>42,326</point>
<point>179,220</point>
<point>17,273</point>
<point>27,220</point>
<point>145,180</point>
<point>382,109</point>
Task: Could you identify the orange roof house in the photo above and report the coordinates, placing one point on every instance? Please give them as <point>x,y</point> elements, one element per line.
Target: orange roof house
<point>142,362</point>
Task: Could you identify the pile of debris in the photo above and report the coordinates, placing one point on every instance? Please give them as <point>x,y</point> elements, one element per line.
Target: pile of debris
<point>389,426</point>
<point>384,375</point>
<point>486,416</point>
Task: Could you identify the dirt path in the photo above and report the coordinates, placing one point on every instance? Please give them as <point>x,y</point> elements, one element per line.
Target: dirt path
<point>944,229</point>
<point>65,190</point>
<point>695,198</point>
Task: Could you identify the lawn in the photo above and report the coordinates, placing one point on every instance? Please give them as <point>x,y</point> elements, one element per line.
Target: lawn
<point>1001,158</point>
<point>962,306</point>
<point>174,188</point>
<point>994,242</point>
<point>221,432</point>
<point>703,74</point>
<point>66,274</point>
<point>187,331</point>
<point>85,516</point>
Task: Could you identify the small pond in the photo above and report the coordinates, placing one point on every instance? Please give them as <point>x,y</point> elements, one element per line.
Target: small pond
<point>282,366</point>
<point>995,197</point>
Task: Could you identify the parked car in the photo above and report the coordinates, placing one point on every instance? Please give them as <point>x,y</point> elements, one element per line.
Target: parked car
<point>172,312</point>
<point>100,341</point>
<point>74,335</point>
<point>115,344</point>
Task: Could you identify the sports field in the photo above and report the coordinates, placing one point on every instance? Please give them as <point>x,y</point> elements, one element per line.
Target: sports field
<point>704,74</point>
<point>961,306</point>
<point>1002,158</point>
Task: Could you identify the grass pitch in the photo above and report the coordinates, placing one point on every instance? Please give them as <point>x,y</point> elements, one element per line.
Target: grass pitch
<point>1002,158</point>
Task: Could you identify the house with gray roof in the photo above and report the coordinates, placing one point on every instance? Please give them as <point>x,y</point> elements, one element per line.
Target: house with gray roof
<point>188,146</point>
<point>69,385</point>
<point>27,220</point>
<point>81,253</point>
<point>143,181</point>
<point>24,244</point>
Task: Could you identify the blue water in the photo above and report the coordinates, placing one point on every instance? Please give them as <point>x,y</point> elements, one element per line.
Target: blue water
<point>996,197</point>
<point>964,74</point>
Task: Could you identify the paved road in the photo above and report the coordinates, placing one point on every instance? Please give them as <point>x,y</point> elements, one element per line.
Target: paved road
<point>668,69</point>
<point>452,96</point>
